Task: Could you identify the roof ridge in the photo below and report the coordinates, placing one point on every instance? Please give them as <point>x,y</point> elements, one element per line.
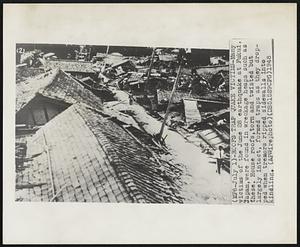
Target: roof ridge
<point>51,79</point>
<point>43,80</point>
<point>56,73</point>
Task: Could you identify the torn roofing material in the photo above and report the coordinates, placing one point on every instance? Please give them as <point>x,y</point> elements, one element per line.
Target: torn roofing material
<point>89,158</point>
<point>70,65</point>
<point>57,85</point>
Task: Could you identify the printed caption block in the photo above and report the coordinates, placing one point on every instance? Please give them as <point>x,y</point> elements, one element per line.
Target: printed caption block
<point>251,121</point>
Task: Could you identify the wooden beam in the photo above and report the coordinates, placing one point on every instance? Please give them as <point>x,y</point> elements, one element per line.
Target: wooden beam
<point>49,166</point>
<point>170,102</point>
<point>150,68</point>
<point>57,193</point>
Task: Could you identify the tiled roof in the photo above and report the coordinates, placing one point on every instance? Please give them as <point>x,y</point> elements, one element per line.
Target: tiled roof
<point>56,85</point>
<point>89,158</point>
<point>70,65</point>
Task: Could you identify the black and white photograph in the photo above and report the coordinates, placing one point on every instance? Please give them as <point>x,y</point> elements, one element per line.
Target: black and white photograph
<point>152,123</point>
<point>128,124</point>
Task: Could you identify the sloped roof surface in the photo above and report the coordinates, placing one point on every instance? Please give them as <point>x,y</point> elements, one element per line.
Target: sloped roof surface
<point>57,85</point>
<point>92,159</point>
<point>70,65</point>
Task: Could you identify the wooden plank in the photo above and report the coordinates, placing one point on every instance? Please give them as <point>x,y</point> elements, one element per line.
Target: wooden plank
<point>205,140</point>
<point>192,114</point>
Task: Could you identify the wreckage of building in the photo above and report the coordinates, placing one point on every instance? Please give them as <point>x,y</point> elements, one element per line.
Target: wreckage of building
<point>41,98</point>
<point>100,163</point>
<point>79,136</point>
<point>68,150</point>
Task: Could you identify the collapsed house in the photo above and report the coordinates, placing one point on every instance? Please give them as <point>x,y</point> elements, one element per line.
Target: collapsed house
<point>201,91</point>
<point>81,156</point>
<point>41,98</point>
<point>197,109</point>
<point>205,115</point>
<point>112,65</point>
<point>85,73</point>
<point>143,90</point>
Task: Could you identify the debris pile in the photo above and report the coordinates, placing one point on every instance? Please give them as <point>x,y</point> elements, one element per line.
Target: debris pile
<point>98,112</point>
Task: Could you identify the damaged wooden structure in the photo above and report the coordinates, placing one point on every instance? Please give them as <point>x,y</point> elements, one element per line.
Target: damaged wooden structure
<point>69,149</point>
<point>41,98</point>
<point>81,156</point>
